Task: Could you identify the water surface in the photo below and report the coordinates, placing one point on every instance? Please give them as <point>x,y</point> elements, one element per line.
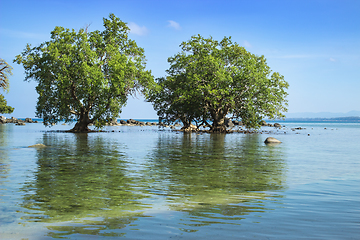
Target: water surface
<point>142,183</point>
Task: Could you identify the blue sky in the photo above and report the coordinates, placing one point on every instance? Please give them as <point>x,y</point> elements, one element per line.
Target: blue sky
<point>314,44</point>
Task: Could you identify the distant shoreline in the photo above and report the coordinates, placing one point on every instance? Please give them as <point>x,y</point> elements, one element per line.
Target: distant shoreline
<point>354,119</point>
<point>336,119</point>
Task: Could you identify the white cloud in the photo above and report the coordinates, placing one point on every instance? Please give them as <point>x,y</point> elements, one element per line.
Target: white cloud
<point>332,59</point>
<point>174,25</point>
<point>247,44</point>
<point>137,30</point>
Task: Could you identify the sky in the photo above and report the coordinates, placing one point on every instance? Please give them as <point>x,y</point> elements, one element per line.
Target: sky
<point>315,44</point>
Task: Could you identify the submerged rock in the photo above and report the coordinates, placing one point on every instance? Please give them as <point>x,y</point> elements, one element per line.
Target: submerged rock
<point>191,128</point>
<point>272,140</point>
<point>38,145</point>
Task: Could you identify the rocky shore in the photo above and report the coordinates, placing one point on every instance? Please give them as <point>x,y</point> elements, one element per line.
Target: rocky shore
<point>16,121</point>
<point>131,122</point>
<point>230,124</point>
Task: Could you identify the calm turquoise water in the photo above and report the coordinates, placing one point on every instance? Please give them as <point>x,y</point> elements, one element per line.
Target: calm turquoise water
<point>142,183</point>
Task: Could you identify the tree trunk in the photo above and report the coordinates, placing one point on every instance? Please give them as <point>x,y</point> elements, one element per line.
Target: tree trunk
<point>218,118</point>
<point>187,126</point>
<point>218,125</point>
<point>82,124</point>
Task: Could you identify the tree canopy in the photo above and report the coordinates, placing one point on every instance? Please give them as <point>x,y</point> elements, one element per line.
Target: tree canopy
<point>86,76</point>
<point>5,72</point>
<point>210,80</point>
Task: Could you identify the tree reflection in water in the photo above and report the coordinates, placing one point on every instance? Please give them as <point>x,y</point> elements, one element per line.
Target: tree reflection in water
<point>84,183</point>
<point>215,177</point>
<point>4,159</point>
<point>3,153</point>
<point>82,177</point>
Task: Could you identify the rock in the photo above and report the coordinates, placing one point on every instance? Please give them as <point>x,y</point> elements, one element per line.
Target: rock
<point>191,128</point>
<point>271,140</point>
<point>131,121</point>
<point>28,120</point>
<point>112,122</point>
<point>229,123</point>
<point>122,121</point>
<point>277,125</point>
<point>38,145</point>
<point>161,124</point>
<point>2,119</point>
<point>237,123</point>
<point>20,124</point>
<point>263,123</point>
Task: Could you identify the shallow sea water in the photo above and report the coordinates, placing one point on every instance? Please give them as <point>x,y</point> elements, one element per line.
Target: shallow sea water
<point>142,183</point>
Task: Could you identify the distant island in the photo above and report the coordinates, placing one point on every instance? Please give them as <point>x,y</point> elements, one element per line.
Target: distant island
<point>335,119</point>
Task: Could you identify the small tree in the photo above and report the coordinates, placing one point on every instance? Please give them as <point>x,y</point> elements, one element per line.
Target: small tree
<point>5,72</point>
<point>209,80</point>
<point>86,76</point>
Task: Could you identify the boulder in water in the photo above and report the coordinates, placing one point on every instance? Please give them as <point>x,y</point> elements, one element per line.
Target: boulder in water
<point>271,140</point>
<point>38,145</point>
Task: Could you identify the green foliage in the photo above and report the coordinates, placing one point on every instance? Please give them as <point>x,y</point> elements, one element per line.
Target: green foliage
<point>4,108</point>
<point>209,80</point>
<point>86,76</point>
<point>5,71</point>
